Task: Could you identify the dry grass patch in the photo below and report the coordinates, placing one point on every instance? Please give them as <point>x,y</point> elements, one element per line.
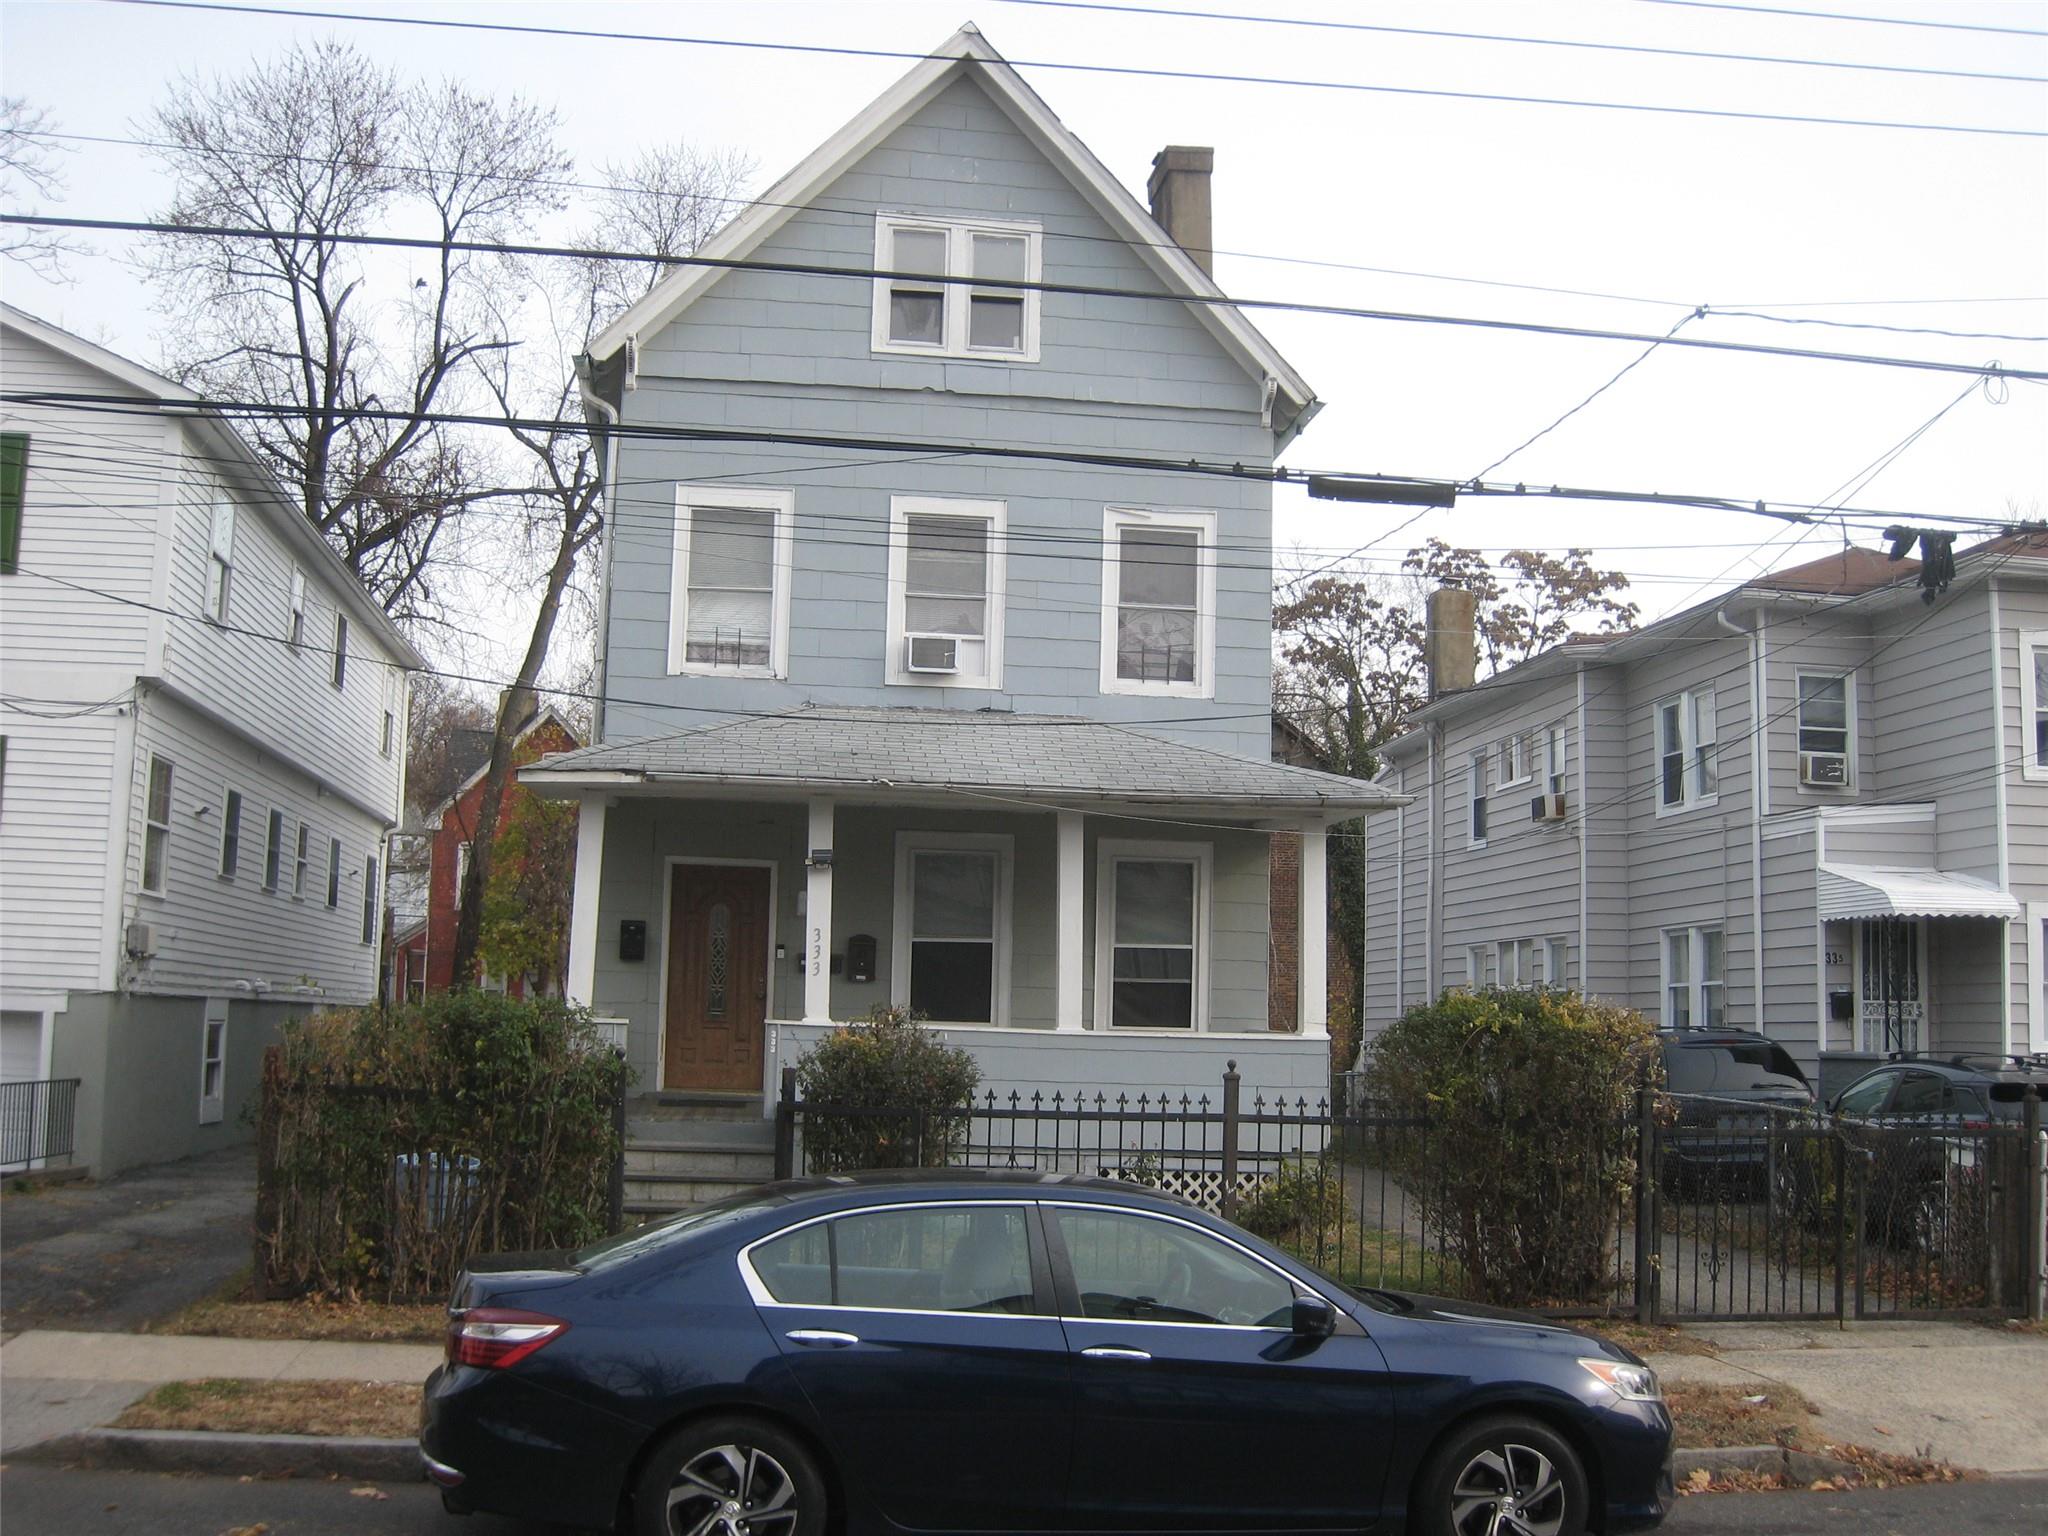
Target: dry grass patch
<point>382,1409</point>
<point>1646,1338</point>
<point>355,1322</point>
<point>1712,1417</point>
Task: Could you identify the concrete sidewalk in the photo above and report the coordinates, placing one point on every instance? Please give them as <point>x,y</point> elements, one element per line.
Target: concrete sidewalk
<point>54,1382</point>
<point>1963,1393</point>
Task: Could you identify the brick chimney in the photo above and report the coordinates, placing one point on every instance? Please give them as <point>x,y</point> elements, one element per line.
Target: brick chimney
<point>1179,190</point>
<point>1450,644</point>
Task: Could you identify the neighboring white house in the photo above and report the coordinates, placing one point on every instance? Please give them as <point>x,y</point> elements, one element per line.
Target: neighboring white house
<point>202,748</point>
<point>1866,769</point>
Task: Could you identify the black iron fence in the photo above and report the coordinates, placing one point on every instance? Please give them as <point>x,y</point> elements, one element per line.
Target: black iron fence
<point>37,1121</point>
<point>1700,1209</point>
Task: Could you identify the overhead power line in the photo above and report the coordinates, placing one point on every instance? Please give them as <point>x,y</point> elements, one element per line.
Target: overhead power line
<point>1872,21</point>
<point>1083,290</point>
<point>1208,77</point>
<point>1324,25</point>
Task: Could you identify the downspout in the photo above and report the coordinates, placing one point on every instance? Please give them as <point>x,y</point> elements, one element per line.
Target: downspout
<point>1400,899</point>
<point>1432,980</point>
<point>594,401</point>
<point>1585,840</point>
<point>1998,778</point>
<point>1759,794</point>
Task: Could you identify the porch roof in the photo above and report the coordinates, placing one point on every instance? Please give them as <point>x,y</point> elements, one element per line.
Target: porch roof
<point>1865,890</point>
<point>1048,759</point>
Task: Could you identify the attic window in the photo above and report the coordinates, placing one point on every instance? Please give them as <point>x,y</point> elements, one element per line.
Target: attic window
<point>917,311</point>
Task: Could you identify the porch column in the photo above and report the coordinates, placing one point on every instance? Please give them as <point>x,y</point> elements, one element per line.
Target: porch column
<point>1070,939</point>
<point>818,915</point>
<point>1312,984</point>
<point>583,937</point>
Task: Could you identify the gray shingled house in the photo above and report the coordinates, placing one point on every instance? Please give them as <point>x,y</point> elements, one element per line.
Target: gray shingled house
<point>983,732</point>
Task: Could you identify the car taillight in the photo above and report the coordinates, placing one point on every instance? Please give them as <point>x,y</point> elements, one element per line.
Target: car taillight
<point>495,1337</point>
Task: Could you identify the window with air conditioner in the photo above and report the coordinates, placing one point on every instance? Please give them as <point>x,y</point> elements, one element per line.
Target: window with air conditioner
<point>946,592</point>
<point>946,295</point>
<point>1827,731</point>
<point>729,593</point>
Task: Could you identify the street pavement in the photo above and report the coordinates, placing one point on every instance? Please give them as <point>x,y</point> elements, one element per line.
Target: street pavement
<point>48,1499</point>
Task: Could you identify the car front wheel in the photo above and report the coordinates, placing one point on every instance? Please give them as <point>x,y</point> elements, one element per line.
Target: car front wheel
<point>1507,1476</point>
<point>730,1477</point>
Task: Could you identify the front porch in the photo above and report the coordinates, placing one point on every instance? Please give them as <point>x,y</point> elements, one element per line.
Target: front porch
<point>1085,927</point>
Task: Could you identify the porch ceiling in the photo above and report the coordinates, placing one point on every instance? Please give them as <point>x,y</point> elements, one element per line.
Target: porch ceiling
<point>990,756</point>
<point>1864,890</point>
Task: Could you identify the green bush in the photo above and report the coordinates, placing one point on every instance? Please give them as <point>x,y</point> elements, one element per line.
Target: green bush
<point>1304,1197</point>
<point>398,1141</point>
<point>1527,1143</point>
<point>884,1093</point>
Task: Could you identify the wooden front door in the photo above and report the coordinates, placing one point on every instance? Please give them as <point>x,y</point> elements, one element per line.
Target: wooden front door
<point>717,1007</point>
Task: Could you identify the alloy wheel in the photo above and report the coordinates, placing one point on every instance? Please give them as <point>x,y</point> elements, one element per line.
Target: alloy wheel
<point>732,1490</point>
<point>1508,1490</point>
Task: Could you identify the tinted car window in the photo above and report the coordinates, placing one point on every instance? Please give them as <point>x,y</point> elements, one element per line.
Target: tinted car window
<point>1143,1269</point>
<point>1762,1057</point>
<point>925,1259</point>
<point>1964,1100</point>
<point>1688,1069</point>
<point>1867,1096</point>
<point>1919,1094</point>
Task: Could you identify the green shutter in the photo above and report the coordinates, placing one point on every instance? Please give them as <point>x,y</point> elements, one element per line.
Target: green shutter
<point>13,478</point>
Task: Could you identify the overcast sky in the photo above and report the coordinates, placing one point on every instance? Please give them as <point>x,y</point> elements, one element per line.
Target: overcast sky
<point>1448,202</point>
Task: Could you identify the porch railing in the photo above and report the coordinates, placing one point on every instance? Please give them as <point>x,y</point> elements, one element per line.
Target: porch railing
<point>37,1121</point>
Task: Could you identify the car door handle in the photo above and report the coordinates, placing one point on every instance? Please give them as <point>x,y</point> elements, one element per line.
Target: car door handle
<point>1113,1352</point>
<point>823,1338</point>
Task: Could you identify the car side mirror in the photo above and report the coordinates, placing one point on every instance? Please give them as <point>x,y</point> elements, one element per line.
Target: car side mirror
<point>1313,1318</point>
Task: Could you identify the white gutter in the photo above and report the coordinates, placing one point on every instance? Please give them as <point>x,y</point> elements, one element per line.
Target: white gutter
<point>1998,776</point>
<point>594,401</point>
<point>1431,979</point>
<point>1585,843</point>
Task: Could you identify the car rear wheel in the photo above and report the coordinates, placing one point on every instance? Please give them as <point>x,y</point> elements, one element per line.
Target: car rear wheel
<point>729,1477</point>
<point>1507,1476</point>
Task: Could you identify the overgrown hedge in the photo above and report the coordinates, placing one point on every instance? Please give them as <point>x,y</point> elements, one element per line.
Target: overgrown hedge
<point>884,1093</point>
<point>1525,1139</point>
<point>396,1142</point>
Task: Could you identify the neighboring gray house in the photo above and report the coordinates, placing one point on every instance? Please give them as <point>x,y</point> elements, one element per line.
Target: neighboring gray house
<point>988,735</point>
<point>202,737</point>
<point>1611,816</point>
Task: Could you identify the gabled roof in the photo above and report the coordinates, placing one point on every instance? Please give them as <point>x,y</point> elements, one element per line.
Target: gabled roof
<point>236,460</point>
<point>989,757</point>
<point>968,55</point>
<point>534,722</point>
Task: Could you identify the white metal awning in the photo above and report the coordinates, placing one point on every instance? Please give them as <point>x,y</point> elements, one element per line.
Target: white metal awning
<point>1865,890</point>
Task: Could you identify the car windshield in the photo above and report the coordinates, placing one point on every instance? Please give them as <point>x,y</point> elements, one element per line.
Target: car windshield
<point>635,1241</point>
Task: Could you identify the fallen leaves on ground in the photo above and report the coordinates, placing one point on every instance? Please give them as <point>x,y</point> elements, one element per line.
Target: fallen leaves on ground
<point>383,1410</point>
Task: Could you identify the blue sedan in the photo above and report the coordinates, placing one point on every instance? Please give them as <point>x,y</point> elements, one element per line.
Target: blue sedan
<point>983,1352</point>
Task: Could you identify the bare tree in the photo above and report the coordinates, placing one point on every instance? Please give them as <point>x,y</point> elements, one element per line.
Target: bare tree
<point>313,146</point>
<point>29,169</point>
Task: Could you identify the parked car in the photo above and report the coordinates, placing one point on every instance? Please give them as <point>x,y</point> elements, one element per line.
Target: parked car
<point>995,1351</point>
<point>1926,1089</point>
<point>1728,1084</point>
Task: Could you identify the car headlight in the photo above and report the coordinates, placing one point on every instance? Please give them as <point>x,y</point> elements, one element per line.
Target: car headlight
<point>1636,1383</point>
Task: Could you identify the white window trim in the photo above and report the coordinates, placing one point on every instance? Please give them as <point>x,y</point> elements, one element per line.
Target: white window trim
<point>1695,983</point>
<point>1203,524</point>
<point>211,1106</point>
<point>370,903</point>
<point>295,608</point>
<point>2031,705</point>
<point>1511,949</point>
<point>1107,852</point>
<point>1004,847</point>
<point>782,505</point>
<point>959,264</point>
<point>334,874</point>
<point>996,514</point>
<point>1848,682</point>
<point>230,799</point>
<point>273,850</point>
<point>1691,798</point>
<point>1475,793</point>
<point>220,552</point>
<point>1555,761</point>
<point>163,866</point>
<point>337,672</point>
<point>1517,758</point>
<point>302,858</point>
<point>1475,966</point>
<point>1555,957</point>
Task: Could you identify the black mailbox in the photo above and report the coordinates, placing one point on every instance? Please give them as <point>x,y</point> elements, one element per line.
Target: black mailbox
<point>860,957</point>
<point>632,939</point>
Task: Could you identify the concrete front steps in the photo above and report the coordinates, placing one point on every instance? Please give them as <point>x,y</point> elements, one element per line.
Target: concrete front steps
<point>686,1149</point>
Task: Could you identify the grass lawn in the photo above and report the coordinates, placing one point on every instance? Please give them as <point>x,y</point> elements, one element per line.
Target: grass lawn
<point>1646,1338</point>
<point>227,1315</point>
<point>1368,1256</point>
<point>383,1409</point>
<point>1720,1416</point>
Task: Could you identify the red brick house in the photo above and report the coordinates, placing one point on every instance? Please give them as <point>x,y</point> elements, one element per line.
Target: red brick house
<point>425,954</point>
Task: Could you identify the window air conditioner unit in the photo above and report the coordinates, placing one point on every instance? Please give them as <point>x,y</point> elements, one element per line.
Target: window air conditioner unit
<point>1830,768</point>
<point>1547,808</point>
<point>937,654</point>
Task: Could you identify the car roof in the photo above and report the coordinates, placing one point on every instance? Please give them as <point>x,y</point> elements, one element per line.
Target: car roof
<point>1984,1065</point>
<point>1676,1036</point>
<point>952,1183</point>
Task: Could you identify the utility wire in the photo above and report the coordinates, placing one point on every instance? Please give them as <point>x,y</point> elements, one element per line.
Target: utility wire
<point>1182,14</point>
<point>1211,77</point>
<point>1874,21</point>
<point>1082,290</point>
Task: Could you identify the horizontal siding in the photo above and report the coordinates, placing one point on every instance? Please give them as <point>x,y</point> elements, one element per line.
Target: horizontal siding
<point>1824,644</point>
<point>55,849</point>
<point>2023,608</point>
<point>1933,703</point>
<point>213,933</point>
<point>1791,962</point>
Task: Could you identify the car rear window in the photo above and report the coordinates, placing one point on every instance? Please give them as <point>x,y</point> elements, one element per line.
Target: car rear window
<point>1771,1058</point>
<point>637,1240</point>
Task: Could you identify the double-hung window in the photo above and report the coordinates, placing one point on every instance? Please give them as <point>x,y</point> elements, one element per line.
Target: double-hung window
<point>370,900</point>
<point>1151,944</point>
<point>946,592</point>
<point>1694,979</point>
<point>952,926</point>
<point>1517,962</point>
<point>273,850</point>
<point>1159,602</point>
<point>295,609</point>
<point>1688,771</point>
<point>156,824</point>
<point>1475,966</point>
<point>220,557</point>
<point>1475,793</point>
<point>339,676</point>
<point>729,593</point>
<point>230,834</point>
<point>1553,760</point>
<point>299,862</point>
<point>919,312</point>
<point>2034,703</point>
<point>1826,730</point>
<point>13,493</point>
<point>334,872</point>
<point>213,1061</point>
<point>1515,768</point>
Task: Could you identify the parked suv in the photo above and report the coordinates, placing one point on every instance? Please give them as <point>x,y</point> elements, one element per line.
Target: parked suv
<point>1728,1084</point>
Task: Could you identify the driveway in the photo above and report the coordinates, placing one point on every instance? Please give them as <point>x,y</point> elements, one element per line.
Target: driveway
<point>114,1256</point>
